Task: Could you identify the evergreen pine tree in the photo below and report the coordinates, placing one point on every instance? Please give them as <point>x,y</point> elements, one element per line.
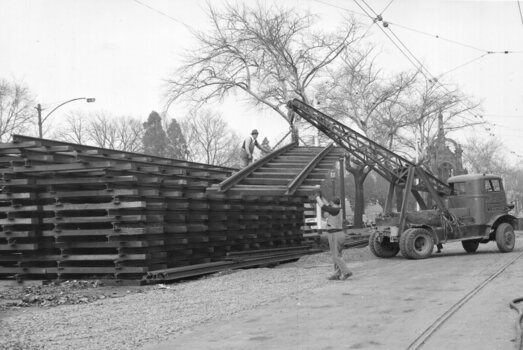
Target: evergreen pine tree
<point>154,139</point>
<point>177,147</point>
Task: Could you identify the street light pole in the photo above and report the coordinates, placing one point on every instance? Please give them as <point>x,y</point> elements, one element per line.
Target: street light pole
<point>42,120</point>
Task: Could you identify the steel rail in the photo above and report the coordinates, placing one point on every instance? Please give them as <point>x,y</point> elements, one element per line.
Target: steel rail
<point>204,269</point>
<point>427,333</point>
<point>176,162</point>
<point>298,180</point>
<point>357,243</point>
<point>248,170</point>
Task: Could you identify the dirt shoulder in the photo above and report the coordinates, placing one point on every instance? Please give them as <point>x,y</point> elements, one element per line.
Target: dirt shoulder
<point>385,304</point>
<point>89,316</point>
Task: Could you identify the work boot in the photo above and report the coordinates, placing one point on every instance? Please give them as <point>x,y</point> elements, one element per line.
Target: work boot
<point>344,276</point>
<point>334,277</point>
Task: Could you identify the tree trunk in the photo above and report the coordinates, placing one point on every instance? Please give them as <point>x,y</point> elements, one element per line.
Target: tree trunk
<point>360,174</point>
<point>399,198</point>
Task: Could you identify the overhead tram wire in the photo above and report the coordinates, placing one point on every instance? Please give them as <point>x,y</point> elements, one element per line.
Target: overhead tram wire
<point>405,47</point>
<point>437,37</point>
<point>462,65</point>
<point>378,17</point>
<point>386,7</point>
<point>422,69</point>
<point>421,66</point>
<point>520,13</point>
<point>503,115</point>
<point>341,8</point>
<point>393,42</point>
<point>433,77</point>
<point>162,14</point>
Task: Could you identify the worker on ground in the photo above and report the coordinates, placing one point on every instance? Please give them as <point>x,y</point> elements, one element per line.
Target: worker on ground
<point>246,153</point>
<point>336,239</point>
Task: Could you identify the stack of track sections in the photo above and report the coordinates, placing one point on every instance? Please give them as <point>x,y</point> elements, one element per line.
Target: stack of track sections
<point>75,211</point>
<point>70,210</point>
<point>290,171</point>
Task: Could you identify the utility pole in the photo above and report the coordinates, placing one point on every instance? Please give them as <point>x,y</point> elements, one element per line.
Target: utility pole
<point>342,194</point>
<point>39,110</point>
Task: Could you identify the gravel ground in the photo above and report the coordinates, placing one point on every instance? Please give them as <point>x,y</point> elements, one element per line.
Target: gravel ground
<point>150,314</point>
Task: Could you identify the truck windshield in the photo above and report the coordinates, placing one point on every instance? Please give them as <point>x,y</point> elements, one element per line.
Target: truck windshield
<point>458,188</point>
<point>493,185</point>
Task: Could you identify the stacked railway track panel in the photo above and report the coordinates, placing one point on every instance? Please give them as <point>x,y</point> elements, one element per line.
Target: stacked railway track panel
<point>75,211</point>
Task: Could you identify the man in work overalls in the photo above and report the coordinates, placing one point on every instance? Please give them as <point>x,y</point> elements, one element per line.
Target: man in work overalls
<point>336,239</point>
<point>248,148</point>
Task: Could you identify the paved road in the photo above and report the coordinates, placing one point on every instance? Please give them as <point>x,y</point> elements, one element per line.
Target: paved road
<point>387,304</point>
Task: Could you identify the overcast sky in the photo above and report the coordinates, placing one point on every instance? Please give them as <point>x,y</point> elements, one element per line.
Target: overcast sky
<point>119,51</point>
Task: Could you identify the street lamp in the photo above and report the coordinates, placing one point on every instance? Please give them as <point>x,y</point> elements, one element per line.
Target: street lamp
<point>42,120</point>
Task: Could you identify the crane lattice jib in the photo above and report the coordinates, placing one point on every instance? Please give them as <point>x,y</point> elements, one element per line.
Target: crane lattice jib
<point>392,166</point>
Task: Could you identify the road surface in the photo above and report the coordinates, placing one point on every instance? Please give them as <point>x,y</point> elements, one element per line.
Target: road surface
<point>387,304</point>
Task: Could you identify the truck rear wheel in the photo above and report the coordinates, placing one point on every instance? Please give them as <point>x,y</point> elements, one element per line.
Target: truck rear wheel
<point>505,237</point>
<point>416,243</point>
<point>470,246</point>
<point>383,249</point>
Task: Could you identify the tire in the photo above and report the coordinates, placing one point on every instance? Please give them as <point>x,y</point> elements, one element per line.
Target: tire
<point>416,243</point>
<point>403,242</point>
<point>372,248</point>
<point>470,246</point>
<point>383,249</point>
<point>505,237</point>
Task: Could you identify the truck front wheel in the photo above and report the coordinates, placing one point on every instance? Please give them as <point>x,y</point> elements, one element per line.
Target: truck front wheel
<point>505,237</point>
<point>416,243</point>
<point>383,249</point>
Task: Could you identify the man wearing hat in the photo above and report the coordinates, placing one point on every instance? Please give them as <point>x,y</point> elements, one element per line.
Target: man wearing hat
<point>248,148</point>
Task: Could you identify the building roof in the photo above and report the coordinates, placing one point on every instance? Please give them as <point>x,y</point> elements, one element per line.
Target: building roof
<point>472,177</point>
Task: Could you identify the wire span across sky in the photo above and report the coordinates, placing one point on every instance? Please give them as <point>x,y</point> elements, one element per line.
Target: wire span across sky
<point>122,51</point>
<point>369,12</point>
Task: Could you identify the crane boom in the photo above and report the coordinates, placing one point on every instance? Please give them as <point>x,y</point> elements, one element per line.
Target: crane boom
<point>393,167</point>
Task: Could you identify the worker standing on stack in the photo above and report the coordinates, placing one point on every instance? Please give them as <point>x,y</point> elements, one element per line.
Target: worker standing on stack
<point>248,148</point>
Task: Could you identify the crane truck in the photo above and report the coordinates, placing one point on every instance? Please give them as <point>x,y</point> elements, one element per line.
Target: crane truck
<point>470,209</point>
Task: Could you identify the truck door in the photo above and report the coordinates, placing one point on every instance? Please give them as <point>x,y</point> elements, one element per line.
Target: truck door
<point>495,200</point>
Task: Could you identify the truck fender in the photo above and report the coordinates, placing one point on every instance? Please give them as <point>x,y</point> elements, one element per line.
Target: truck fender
<point>498,219</point>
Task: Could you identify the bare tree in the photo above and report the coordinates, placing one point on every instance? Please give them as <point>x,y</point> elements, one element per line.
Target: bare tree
<point>209,140</point>
<point>357,94</point>
<point>129,133</point>
<point>268,53</point>
<point>430,100</point>
<point>513,182</point>
<point>484,155</point>
<point>102,130</point>
<point>120,133</point>
<point>73,129</point>
<point>16,112</point>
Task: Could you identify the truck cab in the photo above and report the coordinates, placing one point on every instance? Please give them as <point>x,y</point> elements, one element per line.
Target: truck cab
<point>483,195</point>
